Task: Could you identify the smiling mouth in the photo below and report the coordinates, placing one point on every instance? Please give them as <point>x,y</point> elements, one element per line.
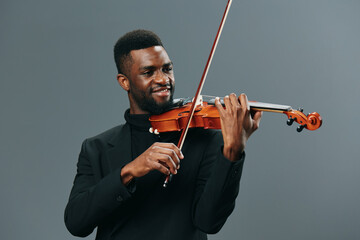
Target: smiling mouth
<point>161,89</point>
<point>162,92</point>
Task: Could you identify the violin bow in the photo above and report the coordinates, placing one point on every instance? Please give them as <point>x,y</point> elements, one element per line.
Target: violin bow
<point>201,84</point>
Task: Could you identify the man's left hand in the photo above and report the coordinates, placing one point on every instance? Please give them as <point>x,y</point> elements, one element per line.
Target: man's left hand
<point>237,124</point>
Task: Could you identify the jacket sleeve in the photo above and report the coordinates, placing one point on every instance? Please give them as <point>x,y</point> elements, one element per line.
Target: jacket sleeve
<point>217,187</point>
<point>92,200</point>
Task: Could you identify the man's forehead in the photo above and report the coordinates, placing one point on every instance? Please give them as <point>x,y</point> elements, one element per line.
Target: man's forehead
<point>150,56</point>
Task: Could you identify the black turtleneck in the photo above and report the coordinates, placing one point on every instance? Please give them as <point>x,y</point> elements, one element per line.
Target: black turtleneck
<point>141,138</point>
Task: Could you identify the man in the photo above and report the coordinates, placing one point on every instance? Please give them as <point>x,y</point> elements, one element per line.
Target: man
<point>118,185</point>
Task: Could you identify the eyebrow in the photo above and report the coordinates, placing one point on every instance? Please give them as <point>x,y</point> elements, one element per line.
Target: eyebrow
<point>153,67</point>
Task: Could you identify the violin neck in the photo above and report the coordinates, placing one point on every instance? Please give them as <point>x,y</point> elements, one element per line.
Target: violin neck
<point>261,106</point>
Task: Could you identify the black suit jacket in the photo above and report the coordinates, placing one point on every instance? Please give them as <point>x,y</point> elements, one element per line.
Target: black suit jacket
<point>198,200</point>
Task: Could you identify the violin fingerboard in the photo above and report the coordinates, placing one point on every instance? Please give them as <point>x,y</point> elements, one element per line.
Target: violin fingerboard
<point>269,106</point>
<point>258,105</point>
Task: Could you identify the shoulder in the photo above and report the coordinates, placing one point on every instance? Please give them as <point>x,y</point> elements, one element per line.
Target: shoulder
<point>107,135</point>
<point>103,139</point>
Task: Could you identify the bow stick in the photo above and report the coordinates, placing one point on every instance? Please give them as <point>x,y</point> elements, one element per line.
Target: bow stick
<point>201,84</point>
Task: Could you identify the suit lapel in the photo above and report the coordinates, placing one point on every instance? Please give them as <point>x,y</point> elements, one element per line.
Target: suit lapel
<point>119,153</point>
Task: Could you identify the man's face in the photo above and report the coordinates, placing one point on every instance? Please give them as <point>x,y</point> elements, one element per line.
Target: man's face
<point>151,81</point>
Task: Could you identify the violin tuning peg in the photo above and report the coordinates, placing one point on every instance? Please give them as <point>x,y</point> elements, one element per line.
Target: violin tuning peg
<point>290,121</point>
<point>151,130</point>
<point>300,128</point>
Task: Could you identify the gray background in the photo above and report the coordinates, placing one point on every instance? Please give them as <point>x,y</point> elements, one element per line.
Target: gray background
<point>58,87</point>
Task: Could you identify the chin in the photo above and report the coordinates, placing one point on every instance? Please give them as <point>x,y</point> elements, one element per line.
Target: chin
<point>160,106</point>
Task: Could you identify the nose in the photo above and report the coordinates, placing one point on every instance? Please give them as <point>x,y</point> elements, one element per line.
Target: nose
<point>161,78</point>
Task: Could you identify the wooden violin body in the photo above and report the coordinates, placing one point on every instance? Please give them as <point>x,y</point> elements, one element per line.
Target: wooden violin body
<point>207,116</point>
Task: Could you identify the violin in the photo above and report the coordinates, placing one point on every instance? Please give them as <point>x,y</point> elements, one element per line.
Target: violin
<point>207,116</point>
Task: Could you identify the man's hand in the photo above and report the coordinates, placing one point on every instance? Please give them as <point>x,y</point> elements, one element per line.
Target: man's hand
<point>237,124</point>
<point>163,157</point>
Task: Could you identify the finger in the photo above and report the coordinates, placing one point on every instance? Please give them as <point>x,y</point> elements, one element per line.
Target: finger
<point>172,154</point>
<point>257,117</point>
<point>244,102</point>
<point>161,168</point>
<point>170,146</point>
<point>227,103</point>
<point>219,106</point>
<point>234,100</point>
<point>167,160</point>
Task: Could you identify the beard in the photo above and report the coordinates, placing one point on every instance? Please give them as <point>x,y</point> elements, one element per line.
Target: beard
<point>147,103</point>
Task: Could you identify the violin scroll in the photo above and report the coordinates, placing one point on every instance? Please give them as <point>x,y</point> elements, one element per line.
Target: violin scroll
<point>311,122</point>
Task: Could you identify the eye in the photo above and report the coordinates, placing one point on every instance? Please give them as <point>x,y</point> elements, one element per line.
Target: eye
<point>167,69</point>
<point>147,73</point>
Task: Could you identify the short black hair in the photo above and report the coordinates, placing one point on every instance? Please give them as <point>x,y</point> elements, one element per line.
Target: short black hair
<point>134,40</point>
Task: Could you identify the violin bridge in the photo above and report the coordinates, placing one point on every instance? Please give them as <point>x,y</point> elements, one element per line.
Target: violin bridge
<point>199,101</point>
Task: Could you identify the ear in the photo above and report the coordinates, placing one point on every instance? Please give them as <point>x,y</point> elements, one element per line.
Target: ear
<point>123,81</point>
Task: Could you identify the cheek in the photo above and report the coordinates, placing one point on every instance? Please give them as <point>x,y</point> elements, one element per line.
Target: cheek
<point>140,89</point>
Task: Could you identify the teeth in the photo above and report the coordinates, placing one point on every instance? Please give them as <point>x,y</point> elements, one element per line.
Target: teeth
<point>165,90</point>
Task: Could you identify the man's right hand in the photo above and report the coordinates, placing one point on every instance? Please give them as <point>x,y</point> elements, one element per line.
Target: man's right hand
<point>163,157</point>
